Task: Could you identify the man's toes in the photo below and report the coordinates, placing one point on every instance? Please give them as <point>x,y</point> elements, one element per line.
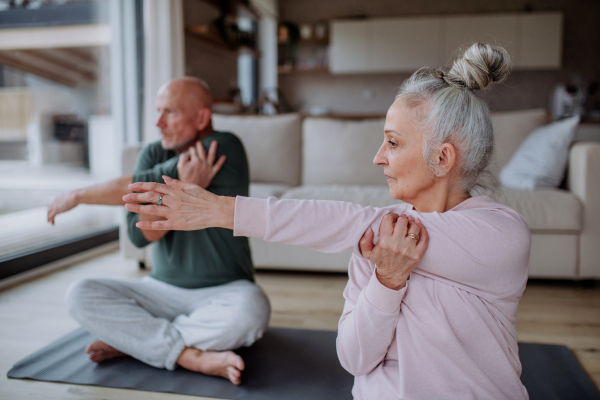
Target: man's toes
<point>234,375</point>
<point>236,361</point>
<point>240,364</point>
<point>95,346</point>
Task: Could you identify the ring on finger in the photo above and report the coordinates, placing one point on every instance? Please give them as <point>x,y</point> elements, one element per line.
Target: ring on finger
<point>414,236</point>
<point>160,200</point>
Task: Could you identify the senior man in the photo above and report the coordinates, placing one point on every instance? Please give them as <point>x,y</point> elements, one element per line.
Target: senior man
<point>200,301</point>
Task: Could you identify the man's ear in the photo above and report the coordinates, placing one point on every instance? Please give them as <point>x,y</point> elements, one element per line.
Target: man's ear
<point>203,118</point>
<point>445,159</point>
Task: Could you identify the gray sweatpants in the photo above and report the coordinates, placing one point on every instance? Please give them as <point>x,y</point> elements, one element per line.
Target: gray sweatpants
<point>153,321</point>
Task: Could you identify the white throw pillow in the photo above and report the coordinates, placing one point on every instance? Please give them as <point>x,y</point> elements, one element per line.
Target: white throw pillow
<point>541,160</point>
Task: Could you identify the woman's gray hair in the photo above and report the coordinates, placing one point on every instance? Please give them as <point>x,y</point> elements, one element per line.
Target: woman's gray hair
<point>444,105</point>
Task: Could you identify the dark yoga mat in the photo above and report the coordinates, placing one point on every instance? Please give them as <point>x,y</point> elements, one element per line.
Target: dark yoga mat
<point>285,364</point>
<point>551,372</point>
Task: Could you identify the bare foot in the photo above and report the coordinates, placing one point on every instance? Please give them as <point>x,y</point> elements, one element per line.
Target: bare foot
<point>226,364</point>
<point>100,351</point>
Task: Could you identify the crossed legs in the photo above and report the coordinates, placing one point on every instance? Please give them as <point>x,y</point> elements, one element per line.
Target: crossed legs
<point>164,325</point>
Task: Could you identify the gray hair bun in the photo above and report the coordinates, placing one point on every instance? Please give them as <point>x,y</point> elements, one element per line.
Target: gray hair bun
<point>479,66</point>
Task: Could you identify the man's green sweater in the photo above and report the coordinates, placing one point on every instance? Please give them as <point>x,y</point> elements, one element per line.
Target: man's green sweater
<point>207,257</point>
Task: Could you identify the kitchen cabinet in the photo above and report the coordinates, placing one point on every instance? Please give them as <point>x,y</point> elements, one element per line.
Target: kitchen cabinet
<point>405,46</point>
<point>540,41</point>
<point>349,50</point>
<point>534,41</point>
<point>465,30</point>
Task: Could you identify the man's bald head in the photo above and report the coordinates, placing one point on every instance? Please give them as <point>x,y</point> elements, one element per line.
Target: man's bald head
<point>184,108</point>
<point>193,91</point>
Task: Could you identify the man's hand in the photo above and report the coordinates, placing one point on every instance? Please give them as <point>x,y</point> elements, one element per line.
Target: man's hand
<point>62,203</point>
<point>196,167</point>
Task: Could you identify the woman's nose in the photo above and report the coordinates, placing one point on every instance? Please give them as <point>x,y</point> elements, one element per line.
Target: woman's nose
<point>379,157</point>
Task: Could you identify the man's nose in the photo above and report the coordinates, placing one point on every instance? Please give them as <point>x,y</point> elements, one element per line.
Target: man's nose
<point>159,121</point>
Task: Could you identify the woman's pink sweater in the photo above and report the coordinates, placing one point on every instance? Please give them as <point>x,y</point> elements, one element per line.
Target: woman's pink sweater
<point>450,333</point>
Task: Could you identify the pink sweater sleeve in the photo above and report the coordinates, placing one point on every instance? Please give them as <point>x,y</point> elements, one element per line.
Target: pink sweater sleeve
<point>485,247</point>
<point>368,322</point>
<point>323,225</point>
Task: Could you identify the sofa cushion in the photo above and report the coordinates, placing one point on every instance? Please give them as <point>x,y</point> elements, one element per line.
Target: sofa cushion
<point>339,151</point>
<point>510,130</point>
<point>551,210</point>
<point>266,190</point>
<point>544,210</point>
<point>541,159</point>
<point>366,195</point>
<point>272,145</point>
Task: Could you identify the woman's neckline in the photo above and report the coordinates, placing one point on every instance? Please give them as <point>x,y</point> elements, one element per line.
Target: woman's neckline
<point>471,202</point>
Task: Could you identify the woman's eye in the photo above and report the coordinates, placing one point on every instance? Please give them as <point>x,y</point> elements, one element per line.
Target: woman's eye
<point>392,143</point>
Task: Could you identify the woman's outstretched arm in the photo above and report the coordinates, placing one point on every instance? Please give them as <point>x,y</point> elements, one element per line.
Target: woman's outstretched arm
<point>327,226</point>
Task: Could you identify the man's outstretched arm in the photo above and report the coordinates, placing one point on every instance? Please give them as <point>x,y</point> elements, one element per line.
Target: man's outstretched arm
<point>193,166</point>
<point>107,193</point>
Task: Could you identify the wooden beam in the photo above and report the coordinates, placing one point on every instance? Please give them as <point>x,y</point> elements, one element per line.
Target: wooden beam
<point>52,56</point>
<point>88,55</point>
<point>49,65</point>
<point>9,59</point>
<point>55,36</point>
<point>61,56</point>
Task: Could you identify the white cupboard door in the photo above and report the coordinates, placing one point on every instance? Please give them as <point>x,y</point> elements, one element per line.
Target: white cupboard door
<point>540,41</point>
<point>349,46</point>
<point>463,31</point>
<point>405,45</point>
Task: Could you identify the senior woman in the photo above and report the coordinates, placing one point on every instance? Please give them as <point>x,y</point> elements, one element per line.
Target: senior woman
<point>430,309</point>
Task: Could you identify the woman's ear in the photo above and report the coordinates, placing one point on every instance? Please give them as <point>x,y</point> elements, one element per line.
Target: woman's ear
<point>445,159</point>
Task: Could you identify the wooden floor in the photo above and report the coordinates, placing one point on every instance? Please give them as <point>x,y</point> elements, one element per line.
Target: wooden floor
<point>32,315</point>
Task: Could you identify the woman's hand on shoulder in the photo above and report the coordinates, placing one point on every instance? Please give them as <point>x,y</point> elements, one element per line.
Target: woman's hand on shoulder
<point>401,246</point>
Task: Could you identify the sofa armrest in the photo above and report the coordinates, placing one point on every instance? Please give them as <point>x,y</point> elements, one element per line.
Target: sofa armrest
<point>584,182</point>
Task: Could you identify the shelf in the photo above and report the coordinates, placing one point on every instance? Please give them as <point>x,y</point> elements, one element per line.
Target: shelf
<point>285,70</point>
<point>236,7</point>
<point>311,41</point>
<point>204,34</point>
<point>320,41</point>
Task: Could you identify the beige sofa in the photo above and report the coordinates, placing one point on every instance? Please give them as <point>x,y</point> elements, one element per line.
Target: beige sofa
<point>328,158</point>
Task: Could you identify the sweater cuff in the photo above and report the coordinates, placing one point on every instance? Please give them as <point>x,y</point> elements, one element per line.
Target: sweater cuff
<point>383,298</point>
<point>250,217</point>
